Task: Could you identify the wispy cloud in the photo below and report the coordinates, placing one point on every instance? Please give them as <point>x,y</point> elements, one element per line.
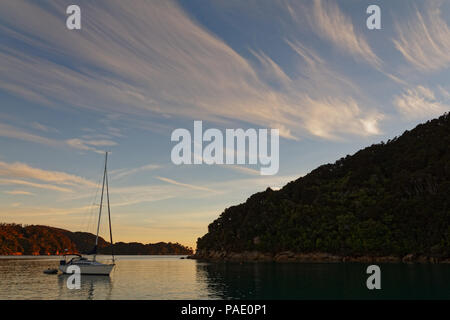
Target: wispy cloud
<point>90,145</point>
<point>242,169</point>
<point>424,39</point>
<point>324,102</point>
<point>20,174</point>
<point>178,69</point>
<point>271,70</point>
<point>13,132</point>
<point>444,92</point>
<point>132,194</point>
<point>330,115</point>
<point>333,25</point>
<point>19,193</point>
<point>33,184</point>
<point>24,211</point>
<point>9,131</point>
<point>121,173</point>
<point>185,185</point>
<point>309,56</point>
<point>42,127</point>
<point>420,103</point>
<point>24,171</point>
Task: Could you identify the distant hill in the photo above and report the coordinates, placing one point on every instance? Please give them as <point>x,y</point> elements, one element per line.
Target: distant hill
<point>389,199</point>
<point>16,239</point>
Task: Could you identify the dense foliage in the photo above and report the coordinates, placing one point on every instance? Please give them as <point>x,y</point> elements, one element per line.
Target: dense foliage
<point>16,239</point>
<point>148,249</point>
<point>35,240</point>
<point>390,198</point>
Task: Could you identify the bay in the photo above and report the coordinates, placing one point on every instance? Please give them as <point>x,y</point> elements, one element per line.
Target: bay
<point>172,278</point>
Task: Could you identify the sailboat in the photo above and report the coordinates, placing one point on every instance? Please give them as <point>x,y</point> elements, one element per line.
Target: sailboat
<point>91,266</point>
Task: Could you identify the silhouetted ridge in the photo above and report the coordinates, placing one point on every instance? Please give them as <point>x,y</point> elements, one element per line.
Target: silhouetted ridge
<point>387,199</point>
<point>16,239</point>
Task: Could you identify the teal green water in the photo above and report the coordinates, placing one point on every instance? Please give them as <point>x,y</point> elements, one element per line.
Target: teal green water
<point>169,277</point>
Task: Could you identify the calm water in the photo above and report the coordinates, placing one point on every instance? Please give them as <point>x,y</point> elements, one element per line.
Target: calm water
<point>169,277</point>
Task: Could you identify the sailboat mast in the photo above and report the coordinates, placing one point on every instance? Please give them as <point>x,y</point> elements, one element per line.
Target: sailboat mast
<point>109,217</point>
<point>101,205</point>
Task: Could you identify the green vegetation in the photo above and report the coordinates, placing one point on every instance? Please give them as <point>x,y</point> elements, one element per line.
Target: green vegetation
<point>35,240</point>
<point>388,199</point>
<point>16,239</point>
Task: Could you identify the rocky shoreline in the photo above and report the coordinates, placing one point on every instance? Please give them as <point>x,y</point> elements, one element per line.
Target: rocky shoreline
<point>315,257</point>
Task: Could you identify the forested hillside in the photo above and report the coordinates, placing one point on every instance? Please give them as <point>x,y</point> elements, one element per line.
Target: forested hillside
<point>388,199</point>
<point>16,239</point>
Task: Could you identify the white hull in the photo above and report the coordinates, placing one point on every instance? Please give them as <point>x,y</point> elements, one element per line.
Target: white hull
<point>97,269</point>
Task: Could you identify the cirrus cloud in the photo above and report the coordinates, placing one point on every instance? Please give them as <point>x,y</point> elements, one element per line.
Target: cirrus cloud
<point>424,39</point>
<point>18,173</point>
<point>420,103</point>
<point>178,69</point>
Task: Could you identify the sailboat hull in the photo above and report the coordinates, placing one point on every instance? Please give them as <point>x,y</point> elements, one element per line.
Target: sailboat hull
<point>92,269</point>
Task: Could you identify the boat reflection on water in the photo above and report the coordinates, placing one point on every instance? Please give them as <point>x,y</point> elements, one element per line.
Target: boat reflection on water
<point>92,287</point>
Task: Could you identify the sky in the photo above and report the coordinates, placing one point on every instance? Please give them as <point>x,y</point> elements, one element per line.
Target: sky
<point>137,70</point>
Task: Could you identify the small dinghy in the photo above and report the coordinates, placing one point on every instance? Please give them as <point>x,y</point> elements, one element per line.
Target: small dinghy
<point>51,271</point>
